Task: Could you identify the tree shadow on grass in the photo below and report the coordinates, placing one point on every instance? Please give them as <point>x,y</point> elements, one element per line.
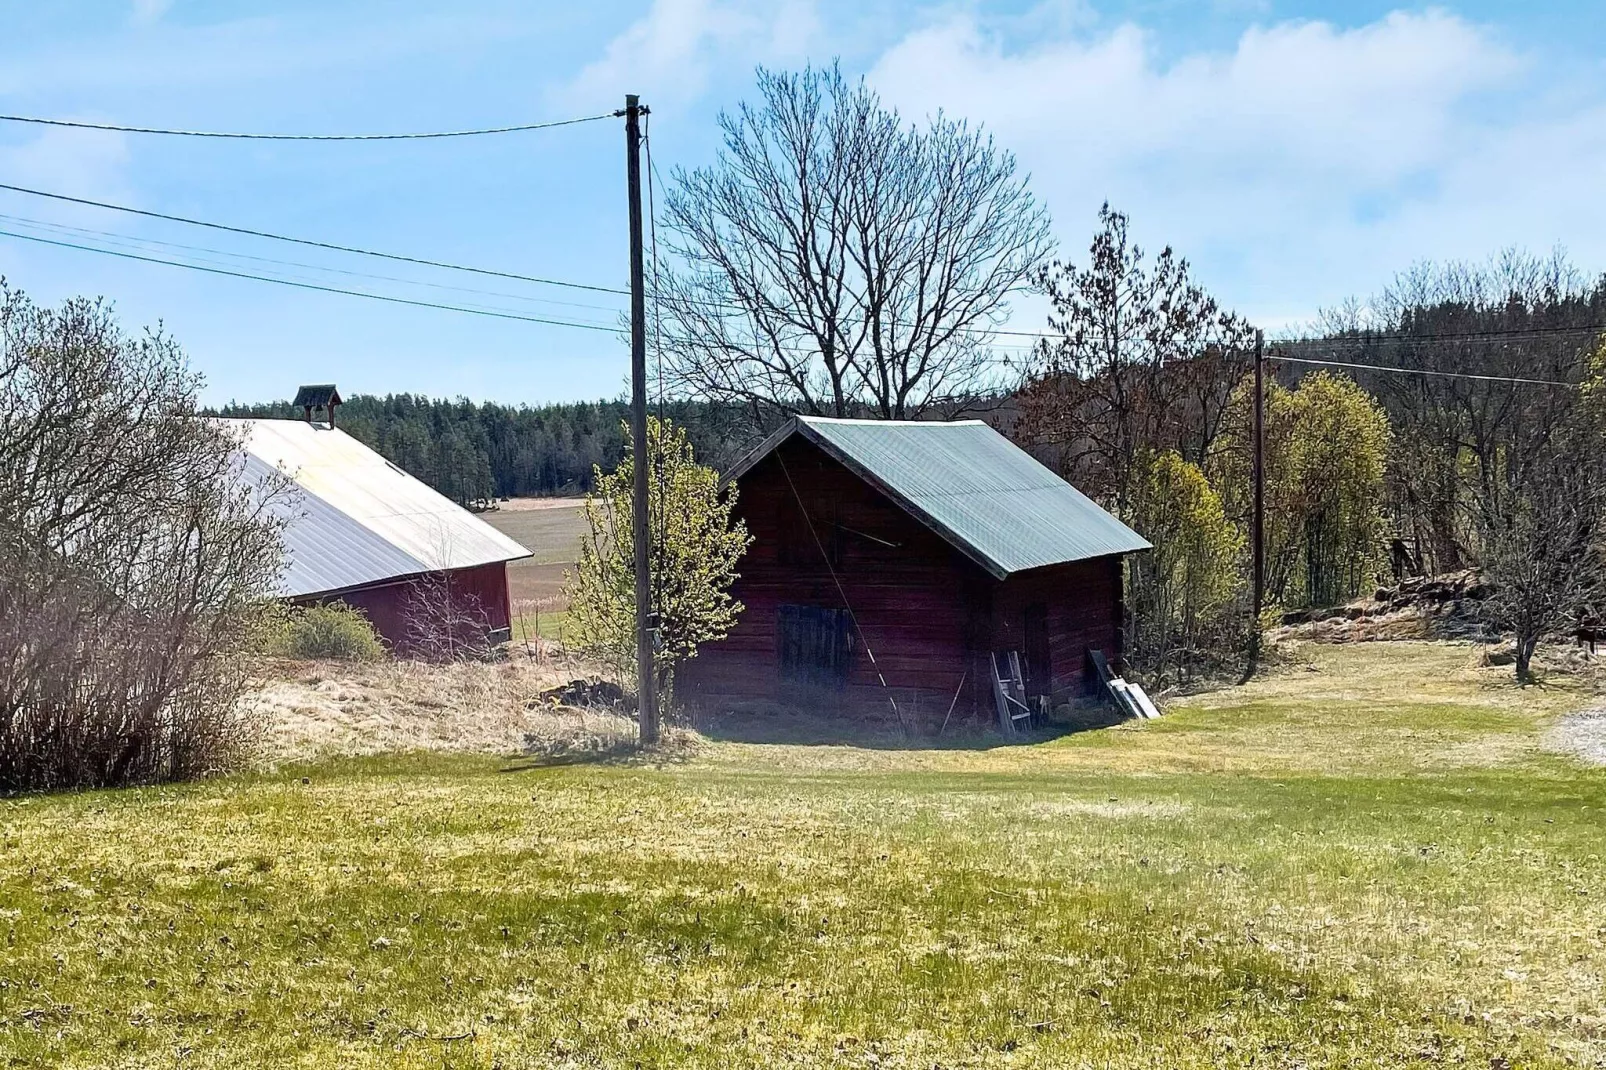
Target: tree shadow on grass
<point>675,747</point>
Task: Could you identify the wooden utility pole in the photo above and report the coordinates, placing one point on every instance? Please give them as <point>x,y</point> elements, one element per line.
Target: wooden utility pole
<point>1257,525</point>
<point>647,699</point>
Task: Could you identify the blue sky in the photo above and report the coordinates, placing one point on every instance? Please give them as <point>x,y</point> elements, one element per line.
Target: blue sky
<point>1297,152</point>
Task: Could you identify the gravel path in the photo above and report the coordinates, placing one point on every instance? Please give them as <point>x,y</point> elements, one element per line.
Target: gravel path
<point>1582,734</point>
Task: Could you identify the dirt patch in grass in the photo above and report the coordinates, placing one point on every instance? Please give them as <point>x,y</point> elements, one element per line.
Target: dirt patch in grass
<point>1581,734</point>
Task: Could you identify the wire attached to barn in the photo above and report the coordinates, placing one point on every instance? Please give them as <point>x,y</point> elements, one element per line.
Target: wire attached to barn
<point>842,591</point>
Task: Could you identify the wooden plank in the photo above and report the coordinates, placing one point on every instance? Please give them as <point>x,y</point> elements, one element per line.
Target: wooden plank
<point>1005,722</point>
<point>1145,703</point>
<point>1123,698</point>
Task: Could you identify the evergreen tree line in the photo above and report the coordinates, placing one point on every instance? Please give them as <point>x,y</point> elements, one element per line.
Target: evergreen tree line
<point>473,452</point>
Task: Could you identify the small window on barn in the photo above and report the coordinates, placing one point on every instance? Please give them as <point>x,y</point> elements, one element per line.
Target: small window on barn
<point>814,646</point>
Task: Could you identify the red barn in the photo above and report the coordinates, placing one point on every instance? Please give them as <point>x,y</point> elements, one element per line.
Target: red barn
<point>364,532</point>
<point>890,560</point>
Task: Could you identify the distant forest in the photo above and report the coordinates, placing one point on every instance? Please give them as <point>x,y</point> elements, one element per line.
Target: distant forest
<point>472,452</point>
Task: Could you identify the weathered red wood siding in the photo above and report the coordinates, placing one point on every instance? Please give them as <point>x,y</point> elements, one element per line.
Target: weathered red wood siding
<point>387,604</point>
<point>928,613</point>
<point>1083,604</point>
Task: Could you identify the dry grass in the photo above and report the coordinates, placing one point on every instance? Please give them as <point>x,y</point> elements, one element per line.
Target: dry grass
<point>310,710</point>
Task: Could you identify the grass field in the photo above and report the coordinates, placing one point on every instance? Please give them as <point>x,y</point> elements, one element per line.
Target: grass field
<point>1363,861</point>
<point>551,528</point>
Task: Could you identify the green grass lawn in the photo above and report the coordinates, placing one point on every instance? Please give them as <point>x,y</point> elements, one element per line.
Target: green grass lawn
<point>1366,861</point>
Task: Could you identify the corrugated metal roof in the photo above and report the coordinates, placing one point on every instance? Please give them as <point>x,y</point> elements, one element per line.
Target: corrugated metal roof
<point>357,519</point>
<point>989,498</point>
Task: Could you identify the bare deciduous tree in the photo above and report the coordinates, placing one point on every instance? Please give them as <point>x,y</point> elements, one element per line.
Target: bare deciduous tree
<point>1543,558</point>
<point>1541,539</point>
<point>1466,447</point>
<point>1145,361</point>
<point>838,261</point>
<point>135,560</point>
<point>445,620</point>
<point>445,623</point>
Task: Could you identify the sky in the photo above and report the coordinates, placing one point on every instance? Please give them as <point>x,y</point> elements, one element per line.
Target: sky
<point>1297,152</point>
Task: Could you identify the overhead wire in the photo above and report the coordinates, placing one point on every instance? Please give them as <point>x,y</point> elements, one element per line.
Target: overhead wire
<point>1362,341</point>
<point>1423,371</point>
<point>129,241</point>
<point>331,246</point>
<point>1368,339</point>
<point>1279,348</point>
<point>420,261</point>
<point>231,135</point>
<point>494,313</point>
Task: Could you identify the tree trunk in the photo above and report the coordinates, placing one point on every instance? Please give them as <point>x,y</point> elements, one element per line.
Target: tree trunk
<point>1525,652</point>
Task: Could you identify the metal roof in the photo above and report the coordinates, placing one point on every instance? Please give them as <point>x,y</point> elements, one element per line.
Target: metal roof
<point>355,518</point>
<point>317,395</point>
<point>992,500</point>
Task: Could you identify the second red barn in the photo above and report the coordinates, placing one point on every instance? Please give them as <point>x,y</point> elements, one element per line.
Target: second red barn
<point>899,562</point>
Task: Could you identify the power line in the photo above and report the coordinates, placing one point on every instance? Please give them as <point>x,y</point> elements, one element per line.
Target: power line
<point>399,258</point>
<point>495,313</point>
<point>1423,371</point>
<point>129,241</point>
<point>1349,342</point>
<point>115,128</point>
<point>311,243</point>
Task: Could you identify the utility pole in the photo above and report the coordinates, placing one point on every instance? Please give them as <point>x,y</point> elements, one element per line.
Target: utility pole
<point>647,699</point>
<point>1257,526</point>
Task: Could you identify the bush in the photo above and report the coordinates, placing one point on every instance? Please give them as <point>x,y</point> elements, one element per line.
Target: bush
<point>1327,449</point>
<point>331,630</point>
<point>135,560</point>
<point>1185,595</point>
<point>696,547</point>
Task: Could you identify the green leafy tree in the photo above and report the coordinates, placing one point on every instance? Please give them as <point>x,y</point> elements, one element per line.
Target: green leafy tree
<point>1183,595</point>
<point>1327,450</point>
<point>695,548</point>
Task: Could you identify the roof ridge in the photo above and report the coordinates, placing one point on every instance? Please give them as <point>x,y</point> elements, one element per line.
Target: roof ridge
<point>889,423</point>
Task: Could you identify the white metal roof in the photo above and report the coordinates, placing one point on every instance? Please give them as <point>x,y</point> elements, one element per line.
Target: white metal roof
<point>357,519</point>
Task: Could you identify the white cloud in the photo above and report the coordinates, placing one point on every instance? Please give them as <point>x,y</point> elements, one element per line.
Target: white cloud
<point>672,53</point>
<point>81,163</point>
<point>149,11</point>
<point>1306,163</point>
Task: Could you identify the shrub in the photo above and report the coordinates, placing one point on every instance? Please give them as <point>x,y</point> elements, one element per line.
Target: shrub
<point>1185,595</point>
<point>330,630</point>
<point>1327,449</point>
<point>696,547</point>
<point>134,558</point>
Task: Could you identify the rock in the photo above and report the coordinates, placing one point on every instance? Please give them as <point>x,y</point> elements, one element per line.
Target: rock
<point>592,694</point>
<point>1504,654</point>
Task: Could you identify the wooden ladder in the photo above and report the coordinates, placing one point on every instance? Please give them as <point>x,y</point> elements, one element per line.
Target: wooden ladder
<point>1009,691</point>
